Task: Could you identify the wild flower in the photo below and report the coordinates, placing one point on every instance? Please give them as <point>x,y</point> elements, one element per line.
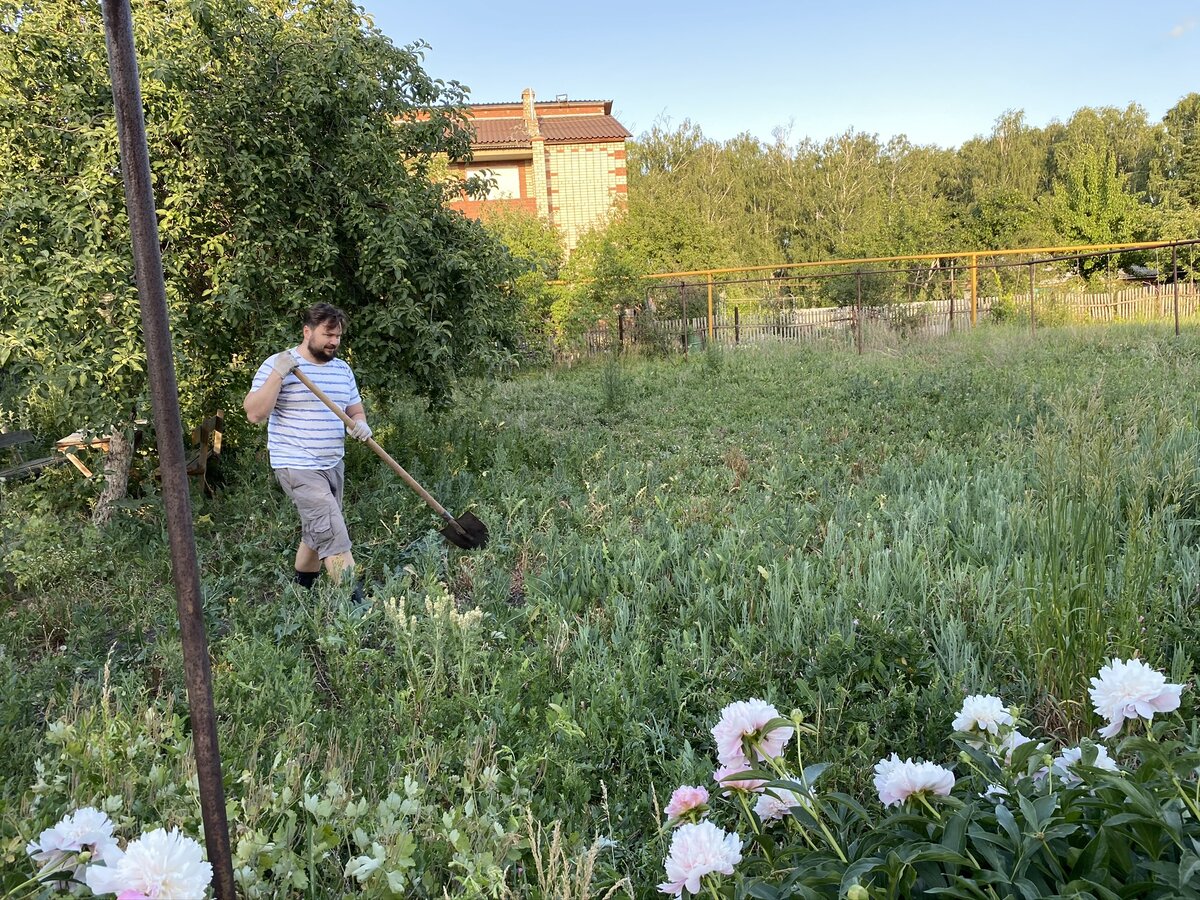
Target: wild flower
<point>1131,690</point>
<point>984,714</point>
<point>363,867</point>
<point>699,849</point>
<point>744,722</point>
<point>87,830</point>
<point>896,780</point>
<point>689,801</point>
<point>439,604</point>
<point>158,865</point>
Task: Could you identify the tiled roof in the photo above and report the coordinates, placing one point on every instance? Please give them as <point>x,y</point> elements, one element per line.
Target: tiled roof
<point>582,128</point>
<point>500,132</point>
<point>505,133</point>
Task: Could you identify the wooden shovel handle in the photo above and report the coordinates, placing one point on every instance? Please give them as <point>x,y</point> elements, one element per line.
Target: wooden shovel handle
<point>383,454</point>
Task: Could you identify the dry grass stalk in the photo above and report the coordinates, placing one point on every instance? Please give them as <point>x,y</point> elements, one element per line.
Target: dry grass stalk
<point>561,875</point>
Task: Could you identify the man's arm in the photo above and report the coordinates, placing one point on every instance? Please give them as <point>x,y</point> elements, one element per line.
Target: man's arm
<point>361,430</point>
<point>259,403</point>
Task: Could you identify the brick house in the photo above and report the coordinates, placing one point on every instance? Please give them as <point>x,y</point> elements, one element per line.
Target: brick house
<point>563,160</point>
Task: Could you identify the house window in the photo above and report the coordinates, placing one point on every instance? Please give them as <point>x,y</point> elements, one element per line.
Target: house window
<point>506,181</point>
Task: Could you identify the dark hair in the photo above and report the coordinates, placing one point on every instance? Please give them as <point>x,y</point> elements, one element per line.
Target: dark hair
<point>324,312</point>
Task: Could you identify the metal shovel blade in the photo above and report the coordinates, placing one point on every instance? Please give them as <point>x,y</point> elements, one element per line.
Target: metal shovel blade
<point>467,532</point>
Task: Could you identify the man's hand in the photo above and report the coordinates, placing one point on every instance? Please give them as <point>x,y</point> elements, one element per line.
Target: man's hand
<point>283,363</point>
<point>361,430</point>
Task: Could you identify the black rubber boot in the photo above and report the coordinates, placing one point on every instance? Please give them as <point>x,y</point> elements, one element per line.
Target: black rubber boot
<point>306,579</point>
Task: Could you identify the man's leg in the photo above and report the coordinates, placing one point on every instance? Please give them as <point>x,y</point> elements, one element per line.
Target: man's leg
<point>308,565</point>
<point>339,565</point>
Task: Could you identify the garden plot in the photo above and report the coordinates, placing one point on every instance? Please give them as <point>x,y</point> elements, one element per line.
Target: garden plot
<point>866,541</point>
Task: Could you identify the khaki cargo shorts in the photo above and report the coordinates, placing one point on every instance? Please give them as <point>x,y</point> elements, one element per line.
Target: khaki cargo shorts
<point>317,494</point>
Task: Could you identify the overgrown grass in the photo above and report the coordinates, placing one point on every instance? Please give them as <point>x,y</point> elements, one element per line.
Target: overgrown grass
<point>863,538</point>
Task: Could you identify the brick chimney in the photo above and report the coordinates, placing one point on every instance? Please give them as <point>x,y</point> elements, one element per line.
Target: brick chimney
<point>541,177</point>
<point>531,122</point>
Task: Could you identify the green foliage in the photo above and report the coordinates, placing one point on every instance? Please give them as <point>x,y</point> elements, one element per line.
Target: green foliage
<point>1090,203</point>
<point>604,277</point>
<point>290,146</point>
<point>539,249</point>
<point>865,537</point>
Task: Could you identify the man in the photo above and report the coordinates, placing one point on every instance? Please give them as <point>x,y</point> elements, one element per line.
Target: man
<point>306,441</point>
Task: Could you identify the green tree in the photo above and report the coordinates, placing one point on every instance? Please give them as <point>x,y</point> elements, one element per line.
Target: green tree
<point>1174,182</point>
<point>290,144</point>
<point>995,186</point>
<point>1090,202</point>
<point>538,248</point>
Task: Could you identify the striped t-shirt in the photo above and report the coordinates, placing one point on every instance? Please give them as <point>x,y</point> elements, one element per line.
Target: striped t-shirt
<point>302,432</point>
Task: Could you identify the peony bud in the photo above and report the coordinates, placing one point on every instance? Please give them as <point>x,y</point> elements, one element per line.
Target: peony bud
<point>858,892</point>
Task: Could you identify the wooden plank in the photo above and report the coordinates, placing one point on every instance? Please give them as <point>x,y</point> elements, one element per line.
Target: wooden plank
<point>31,467</point>
<point>16,438</point>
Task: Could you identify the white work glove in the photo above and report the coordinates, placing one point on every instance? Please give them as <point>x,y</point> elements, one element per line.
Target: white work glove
<point>361,430</point>
<point>283,363</point>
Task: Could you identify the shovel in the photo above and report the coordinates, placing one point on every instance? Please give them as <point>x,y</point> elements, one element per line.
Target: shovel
<point>466,531</point>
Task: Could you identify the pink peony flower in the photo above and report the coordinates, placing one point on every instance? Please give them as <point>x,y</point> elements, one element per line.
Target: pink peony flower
<point>699,849</point>
<point>1131,690</point>
<point>684,800</point>
<point>158,865</point>
<point>85,829</point>
<point>982,713</point>
<point>746,784</point>
<point>746,719</point>
<point>898,780</point>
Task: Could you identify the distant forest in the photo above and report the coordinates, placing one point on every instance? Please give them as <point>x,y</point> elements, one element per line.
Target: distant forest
<point>1106,175</point>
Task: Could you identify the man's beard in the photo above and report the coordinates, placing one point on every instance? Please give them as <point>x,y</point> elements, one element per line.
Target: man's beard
<point>320,353</point>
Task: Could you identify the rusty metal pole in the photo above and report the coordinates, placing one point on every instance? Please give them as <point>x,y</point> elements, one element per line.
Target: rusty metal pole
<point>1032,326</point>
<point>687,325</point>
<point>1175,283</point>
<point>710,307</point>
<point>156,331</point>
<point>858,325</point>
<point>737,327</point>
<point>974,289</point>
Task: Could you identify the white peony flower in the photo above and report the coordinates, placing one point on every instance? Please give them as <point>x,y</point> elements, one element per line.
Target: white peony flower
<point>1131,690</point>
<point>896,780</point>
<point>698,850</point>
<point>85,829</point>
<point>1011,742</point>
<point>161,865</point>
<point>746,719</point>
<point>776,803</point>
<point>996,792</point>
<point>982,713</point>
<point>1069,758</point>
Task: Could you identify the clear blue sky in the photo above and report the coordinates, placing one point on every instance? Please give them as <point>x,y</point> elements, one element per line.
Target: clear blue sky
<point>939,72</point>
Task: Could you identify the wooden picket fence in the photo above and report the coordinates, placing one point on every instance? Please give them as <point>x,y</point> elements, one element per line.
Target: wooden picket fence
<point>882,325</point>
